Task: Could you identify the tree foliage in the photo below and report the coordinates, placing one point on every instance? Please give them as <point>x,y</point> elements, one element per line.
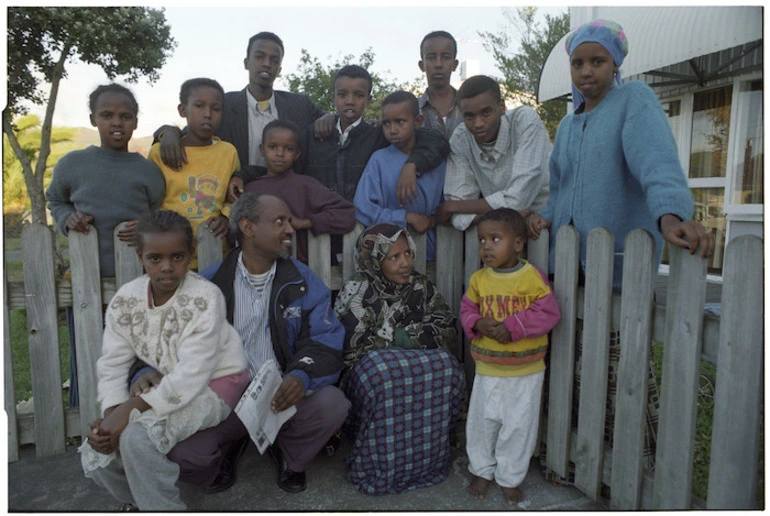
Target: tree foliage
<point>130,42</point>
<point>314,79</point>
<point>27,132</point>
<point>521,69</point>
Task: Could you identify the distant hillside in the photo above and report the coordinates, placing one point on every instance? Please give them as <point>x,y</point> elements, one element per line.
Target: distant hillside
<point>86,136</point>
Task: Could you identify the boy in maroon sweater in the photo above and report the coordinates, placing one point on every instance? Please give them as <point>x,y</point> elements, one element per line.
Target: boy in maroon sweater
<point>313,206</point>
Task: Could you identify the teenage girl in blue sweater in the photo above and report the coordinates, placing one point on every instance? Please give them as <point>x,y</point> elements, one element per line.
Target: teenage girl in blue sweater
<point>614,164</point>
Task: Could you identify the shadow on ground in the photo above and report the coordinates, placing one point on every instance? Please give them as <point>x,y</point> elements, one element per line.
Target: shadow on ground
<point>66,489</point>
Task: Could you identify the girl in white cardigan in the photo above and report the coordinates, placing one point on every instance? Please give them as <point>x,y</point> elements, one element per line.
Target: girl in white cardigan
<point>174,320</point>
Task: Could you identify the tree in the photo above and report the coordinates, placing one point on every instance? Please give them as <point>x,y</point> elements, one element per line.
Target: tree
<point>27,133</point>
<point>124,41</point>
<point>522,68</point>
<point>314,79</point>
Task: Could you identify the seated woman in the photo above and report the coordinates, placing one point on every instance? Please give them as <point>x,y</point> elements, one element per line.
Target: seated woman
<point>405,388</point>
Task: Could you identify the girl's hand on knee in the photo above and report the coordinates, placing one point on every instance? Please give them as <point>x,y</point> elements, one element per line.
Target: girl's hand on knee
<point>100,443</point>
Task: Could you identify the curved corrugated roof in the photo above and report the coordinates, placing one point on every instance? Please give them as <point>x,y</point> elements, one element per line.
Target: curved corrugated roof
<point>657,37</point>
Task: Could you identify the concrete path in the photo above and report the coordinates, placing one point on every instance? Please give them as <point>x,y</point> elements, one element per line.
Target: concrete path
<point>57,484</point>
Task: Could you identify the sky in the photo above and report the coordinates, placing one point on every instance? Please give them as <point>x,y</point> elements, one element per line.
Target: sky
<point>211,42</point>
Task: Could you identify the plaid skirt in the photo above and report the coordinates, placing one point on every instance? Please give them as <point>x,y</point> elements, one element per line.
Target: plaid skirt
<point>651,412</point>
<point>404,406</point>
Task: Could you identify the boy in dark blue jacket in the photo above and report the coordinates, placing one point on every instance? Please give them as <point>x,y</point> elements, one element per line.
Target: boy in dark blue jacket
<point>339,161</point>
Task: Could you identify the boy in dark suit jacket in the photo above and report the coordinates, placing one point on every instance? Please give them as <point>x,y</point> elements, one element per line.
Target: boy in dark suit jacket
<point>339,161</point>
<point>246,112</point>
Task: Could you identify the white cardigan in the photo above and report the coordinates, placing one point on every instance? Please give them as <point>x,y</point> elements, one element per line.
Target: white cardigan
<point>188,340</point>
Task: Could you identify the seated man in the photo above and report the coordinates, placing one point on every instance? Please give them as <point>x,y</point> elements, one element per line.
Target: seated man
<point>499,159</point>
<point>281,311</point>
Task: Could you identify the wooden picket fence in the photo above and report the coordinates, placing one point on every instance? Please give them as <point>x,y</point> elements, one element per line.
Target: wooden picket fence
<point>734,341</point>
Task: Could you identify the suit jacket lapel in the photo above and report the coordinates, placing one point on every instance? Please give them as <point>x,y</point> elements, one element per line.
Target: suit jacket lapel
<point>239,121</point>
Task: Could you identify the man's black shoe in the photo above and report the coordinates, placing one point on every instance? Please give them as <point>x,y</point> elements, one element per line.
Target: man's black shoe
<point>288,480</point>
<point>226,477</point>
<point>292,481</point>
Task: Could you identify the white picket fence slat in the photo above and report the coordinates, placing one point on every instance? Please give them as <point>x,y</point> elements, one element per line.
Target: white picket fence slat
<point>679,385</point>
<point>635,335</point>
<point>562,350</point>
<point>735,434</point>
<point>10,391</point>
<point>87,314</point>
<point>42,331</point>
<point>593,376</point>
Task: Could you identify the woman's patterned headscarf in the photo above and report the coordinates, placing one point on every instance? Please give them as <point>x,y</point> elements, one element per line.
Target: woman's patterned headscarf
<point>608,34</point>
<point>374,244</point>
<point>375,310</point>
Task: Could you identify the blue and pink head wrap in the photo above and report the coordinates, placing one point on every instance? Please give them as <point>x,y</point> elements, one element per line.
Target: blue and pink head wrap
<point>608,34</point>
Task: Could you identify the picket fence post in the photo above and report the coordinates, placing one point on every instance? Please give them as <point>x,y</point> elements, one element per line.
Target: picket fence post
<point>562,350</point>
<point>631,399</point>
<point>89,324</point>
<point>593,376</point>
<point>679,384</point>
<point>42,330</point>
<point>735,432</point>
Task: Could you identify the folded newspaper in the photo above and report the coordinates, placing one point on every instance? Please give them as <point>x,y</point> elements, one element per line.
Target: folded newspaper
<point>254,407</point>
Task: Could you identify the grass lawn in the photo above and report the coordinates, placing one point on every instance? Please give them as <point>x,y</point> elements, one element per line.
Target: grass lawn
<point>12,244</point>
<point>22,375</point>
<point>14,271</point>
<point>18,329</point>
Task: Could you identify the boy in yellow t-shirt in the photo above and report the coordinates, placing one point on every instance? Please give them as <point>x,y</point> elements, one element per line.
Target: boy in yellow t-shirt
<point>508,310</point>
<point>198,190</point>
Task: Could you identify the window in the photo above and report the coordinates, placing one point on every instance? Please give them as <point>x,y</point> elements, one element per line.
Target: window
<point>748,168</point>
<point>710,133</point>
<point>709,211</point>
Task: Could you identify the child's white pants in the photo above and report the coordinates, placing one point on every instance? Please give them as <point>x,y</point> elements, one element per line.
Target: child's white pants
<point>501,429</point>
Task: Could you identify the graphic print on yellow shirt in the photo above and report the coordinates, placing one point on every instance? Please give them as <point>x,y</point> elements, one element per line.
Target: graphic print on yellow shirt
<point>198,191</point>
<point>200,199</point>
<point>520,288</point>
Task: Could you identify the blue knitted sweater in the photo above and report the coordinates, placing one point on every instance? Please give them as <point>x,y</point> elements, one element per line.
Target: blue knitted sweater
<point>617,167</point>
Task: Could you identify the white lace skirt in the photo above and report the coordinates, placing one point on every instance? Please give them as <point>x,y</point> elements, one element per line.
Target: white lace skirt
<point>165,432</point>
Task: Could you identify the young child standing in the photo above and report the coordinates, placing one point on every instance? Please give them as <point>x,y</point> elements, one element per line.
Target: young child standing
<point>198,190</point>
<point>104,186</point>
<point>313,206</point>
<point>508,310</point>
<point>376,200</point>
<point>174,320</point>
